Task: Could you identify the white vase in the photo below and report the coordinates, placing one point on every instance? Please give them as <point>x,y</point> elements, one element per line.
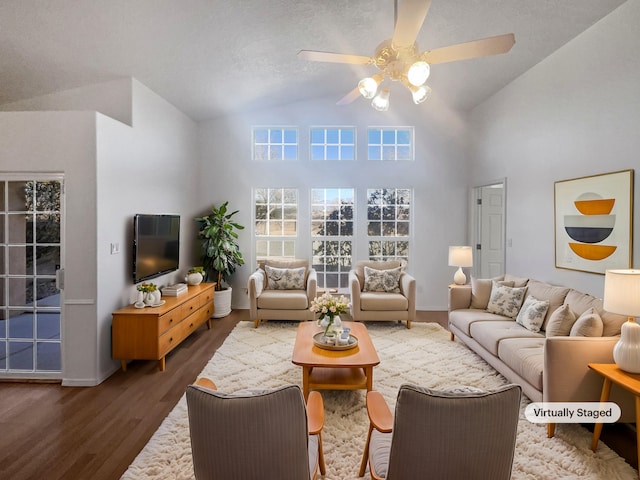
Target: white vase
<point>194,278</point>
<point>626,353</point>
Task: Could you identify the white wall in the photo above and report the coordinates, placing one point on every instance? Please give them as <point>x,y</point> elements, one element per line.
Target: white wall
<point>65,142</point>
<point>112,171</point>
<point>438,177</point>
<point>575,114</point>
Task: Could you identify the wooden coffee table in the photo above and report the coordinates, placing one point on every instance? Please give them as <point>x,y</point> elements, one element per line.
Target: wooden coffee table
<point>322,369</point>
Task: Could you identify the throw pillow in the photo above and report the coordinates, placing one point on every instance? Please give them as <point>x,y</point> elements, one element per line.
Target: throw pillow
<point>505,301</point>
<point>589,324</point>
<point>560,321</point>
<point>285,278</point>
<point>382,280</point>
<point>532,313</point>
<point>481,291</point>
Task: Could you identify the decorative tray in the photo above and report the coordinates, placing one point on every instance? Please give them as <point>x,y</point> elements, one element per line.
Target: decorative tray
<point>320,343</point>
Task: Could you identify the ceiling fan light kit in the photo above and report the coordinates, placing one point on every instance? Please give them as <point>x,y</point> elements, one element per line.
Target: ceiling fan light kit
<point>399,59</point>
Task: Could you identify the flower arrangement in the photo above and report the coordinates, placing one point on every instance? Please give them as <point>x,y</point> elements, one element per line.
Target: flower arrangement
<point>329,307</point>
<point>147,287</point>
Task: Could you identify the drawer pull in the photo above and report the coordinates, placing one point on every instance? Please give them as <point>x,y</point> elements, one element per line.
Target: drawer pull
<point>171,320</point>
<point>191,325</point>
<point>170,339</point>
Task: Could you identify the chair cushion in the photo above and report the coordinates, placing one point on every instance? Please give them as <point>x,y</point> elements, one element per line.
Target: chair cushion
<point>285,278</point>
<point>283,300</point>
<point>382,302</point>
<point>386,265</point>
<point>382,280</point>
<point>379,449</point>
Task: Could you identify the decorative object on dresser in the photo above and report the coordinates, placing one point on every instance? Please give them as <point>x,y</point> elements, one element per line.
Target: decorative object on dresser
<point>622,296</point>
<point>195,276</point>
<point>151,333</point>
<point>220,252</point>
<point>175,290</point>
<point>460,257</point>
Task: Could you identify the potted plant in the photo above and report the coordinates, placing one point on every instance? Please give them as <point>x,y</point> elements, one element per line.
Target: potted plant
<point>195,275</point>
<point>220,252</point>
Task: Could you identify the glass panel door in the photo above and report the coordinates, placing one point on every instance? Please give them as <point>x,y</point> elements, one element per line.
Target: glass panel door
<point>30,303</point>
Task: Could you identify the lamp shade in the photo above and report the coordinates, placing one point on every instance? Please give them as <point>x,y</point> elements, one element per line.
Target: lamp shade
<point>460,257</point>
<point>622,292</point>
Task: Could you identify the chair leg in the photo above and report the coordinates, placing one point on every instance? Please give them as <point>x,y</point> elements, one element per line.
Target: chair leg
<point>551,430</point>
<point>321,455</point>
<point>453,337</point>
<point>365,455</point>
<point>408,323</point>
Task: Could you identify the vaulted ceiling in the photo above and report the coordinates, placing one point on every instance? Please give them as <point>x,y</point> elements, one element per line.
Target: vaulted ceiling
<point>214,57</point>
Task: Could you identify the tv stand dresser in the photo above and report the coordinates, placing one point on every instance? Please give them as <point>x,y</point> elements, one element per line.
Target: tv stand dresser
<point>150,333</point>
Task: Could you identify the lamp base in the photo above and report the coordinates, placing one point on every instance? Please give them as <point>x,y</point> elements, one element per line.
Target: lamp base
<point>460,278</point>
<point>626,353</point>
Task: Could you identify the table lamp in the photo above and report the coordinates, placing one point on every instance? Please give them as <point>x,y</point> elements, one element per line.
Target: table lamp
<point>460,257</point>
<point>622,296</point>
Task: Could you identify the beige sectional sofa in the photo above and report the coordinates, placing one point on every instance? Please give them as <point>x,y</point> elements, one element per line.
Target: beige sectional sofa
<point>550,364</point>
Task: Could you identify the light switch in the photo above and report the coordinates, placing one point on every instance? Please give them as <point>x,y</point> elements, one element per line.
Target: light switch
<point>115,248</point>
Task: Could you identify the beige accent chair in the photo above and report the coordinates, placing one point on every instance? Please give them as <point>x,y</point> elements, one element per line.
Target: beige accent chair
<point>269,304</point>
<point>462,433</point>
<point>262,434</point>
<point>384,306</point>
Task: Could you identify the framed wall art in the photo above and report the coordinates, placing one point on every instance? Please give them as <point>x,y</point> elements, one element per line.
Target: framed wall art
<point>594,222</point>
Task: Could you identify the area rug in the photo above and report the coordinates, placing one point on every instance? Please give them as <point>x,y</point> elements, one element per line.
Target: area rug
<point>423,355</point>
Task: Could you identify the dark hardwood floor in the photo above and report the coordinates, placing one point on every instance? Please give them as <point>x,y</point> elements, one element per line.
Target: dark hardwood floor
<point>52,432</point>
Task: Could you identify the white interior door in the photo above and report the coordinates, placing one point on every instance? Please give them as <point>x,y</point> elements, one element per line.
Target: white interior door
<point>489,234</point>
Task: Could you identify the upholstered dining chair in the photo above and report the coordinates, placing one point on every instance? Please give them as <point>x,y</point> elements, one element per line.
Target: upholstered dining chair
<point>382,291</point>
<point>258,434</point>
<point>462,433</point>
<point>281,289</point>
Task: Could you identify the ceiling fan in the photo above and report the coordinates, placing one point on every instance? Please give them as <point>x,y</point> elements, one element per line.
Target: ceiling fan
<point>399,59</point>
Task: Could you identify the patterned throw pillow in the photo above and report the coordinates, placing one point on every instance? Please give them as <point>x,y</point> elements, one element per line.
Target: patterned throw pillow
<point>505,301</point>
<point>382,280</point>
<point>285,278</point>
<point>532,313</point>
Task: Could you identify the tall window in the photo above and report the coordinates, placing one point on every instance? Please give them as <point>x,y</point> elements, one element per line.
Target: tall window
<point>337,143</point>
<point>332,234</point>
<point>276,221</point>
<point>388,143</point>
<point>388,222</point>
<point>275,143</point>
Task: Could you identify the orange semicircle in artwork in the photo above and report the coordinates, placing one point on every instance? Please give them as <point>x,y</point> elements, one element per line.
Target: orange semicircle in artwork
<point>592,252</point>
<point>601,206</point>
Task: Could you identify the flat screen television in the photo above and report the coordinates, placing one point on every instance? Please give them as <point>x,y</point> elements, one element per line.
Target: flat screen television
<point>156,245</point>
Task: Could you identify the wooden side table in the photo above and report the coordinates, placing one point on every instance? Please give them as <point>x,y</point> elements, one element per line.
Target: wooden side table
<point>629,381</point>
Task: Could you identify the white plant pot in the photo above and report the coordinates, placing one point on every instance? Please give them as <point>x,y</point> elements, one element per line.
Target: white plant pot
<point>194,278</point>
<point>222,302</point>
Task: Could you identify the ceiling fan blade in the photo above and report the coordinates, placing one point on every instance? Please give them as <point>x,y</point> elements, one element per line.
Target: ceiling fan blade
<point>349,97</point>
<point>315,56</point>
<point>477,48</point>
<point>410,17</point>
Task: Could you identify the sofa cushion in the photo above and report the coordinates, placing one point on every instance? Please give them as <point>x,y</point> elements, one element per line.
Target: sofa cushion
<point>581,302</point>
<point>589,324</point>
<point>463,318</point>
<point>285,278</point>
<point>382,280</point>
<point>555,295</point>
<point>517,281</point>
<point>385,265</point>
<point>283,300</point>
<point>283,262</point>
<point>481,290</point>
<point>532,313</point>
<point>560,321</point>
<point>380,301</point>
<point>525,356</point>
<point>505,300</point>
<point>490,334</point>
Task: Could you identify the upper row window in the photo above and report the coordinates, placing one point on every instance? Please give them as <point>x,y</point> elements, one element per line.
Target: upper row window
<point>333,143</point>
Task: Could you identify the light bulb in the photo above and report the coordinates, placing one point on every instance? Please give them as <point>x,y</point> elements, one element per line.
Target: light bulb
<point>369,86</point>
<point>418,73</point>
<point>420,94</point>
<point>381,101</point>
